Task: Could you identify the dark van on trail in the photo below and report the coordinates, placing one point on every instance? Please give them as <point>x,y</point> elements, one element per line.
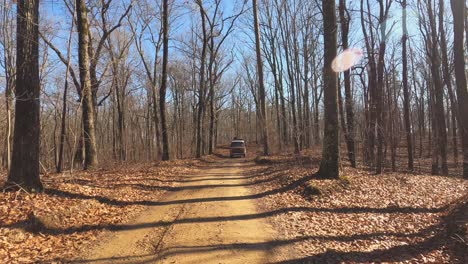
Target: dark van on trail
<point>237,148</point>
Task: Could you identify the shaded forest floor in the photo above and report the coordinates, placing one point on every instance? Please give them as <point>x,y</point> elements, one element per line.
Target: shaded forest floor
<point>57,224</point>
<point>361,218</point>
<point>364,218</point>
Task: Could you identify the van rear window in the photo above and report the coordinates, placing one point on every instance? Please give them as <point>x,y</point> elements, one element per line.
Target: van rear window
<point>237,144</point>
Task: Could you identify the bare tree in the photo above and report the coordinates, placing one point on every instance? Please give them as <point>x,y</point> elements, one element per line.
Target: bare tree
<point>448,79</point>
<point>406,97</point>
<point>144,22</point>
<point>162,91</point>
<point>349,129</point>
<point>261,84</point>
<point>384,8</point>
<point>329,166</point>
<point>458,11</point>
<point>370,94</point>
<point>439,111</point>
<point>24,171</point>
<point>64,101</point>
<point>88,111</point>
<point>202,85</point>
<point>220,28</point>
<point>8,63</point>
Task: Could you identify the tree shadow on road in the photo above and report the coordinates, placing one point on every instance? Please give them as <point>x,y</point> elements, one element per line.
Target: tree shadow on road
<point>434,237</point>
<point>34,225</point>
<point>431,238</point>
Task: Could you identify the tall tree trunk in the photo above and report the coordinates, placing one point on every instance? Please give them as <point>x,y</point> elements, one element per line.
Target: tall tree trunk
<point>329,166</point>
<point>63,122</point>
<point>284,116</point>
<point>379,98</point>
<point>64,106</point>
<point>261,84</point>
<point>434,133</point>
<point>211,143</point>
<point>421,112</point>
<point>458,11</point>
<point>371,123</point>
<point>293,84</point>
<point>392,120</point>
<point>86,89</point>
<point>119,95</point>
<point>316,100</point>
<point>8,134</point>
<point>438,93</point>
<point>406,97</point>
<point>162,91</point>
<point>448,80</point>
<point>24,169</point>
<point>7,42</point>
<point>201,93</point>
<point>349,129</point>
<point>307,119</point>
<point>211,131</point>
<point>156,119</point>
<point>278,118</point>
<point>306,107</point>
<point>279,95</point>
<point>342,117</point>
<point>292,88</point>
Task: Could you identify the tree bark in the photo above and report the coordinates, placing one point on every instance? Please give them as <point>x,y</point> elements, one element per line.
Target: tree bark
<point>329,166</point>
<point>406,97</point>
<point>7,43</point>
<point>24,171</point>
<point>379,101</point>
<point>211,143</point>
<point>458,11</point>
<point>162,91</point>
<point>261,84</point>
<point>307,126</point>
<point>8,134</point>
<point>448,80</point>
<point>88,111</point>
<point>202,92</point>
<point>372,89</point>
<point>438,93</point>
<point>64,101</point>
<point>62,127</point>
<point>349,129</point>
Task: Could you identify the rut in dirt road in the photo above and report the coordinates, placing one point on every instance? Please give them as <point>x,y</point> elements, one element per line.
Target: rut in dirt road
<point>210,218</point>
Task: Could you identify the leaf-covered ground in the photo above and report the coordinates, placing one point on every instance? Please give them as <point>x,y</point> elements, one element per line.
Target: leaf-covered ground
<point>43,227</point>
<point>362,218</point>
<point>365,218</point>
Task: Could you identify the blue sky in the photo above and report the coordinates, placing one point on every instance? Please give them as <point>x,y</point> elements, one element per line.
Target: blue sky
<point>55,14</point>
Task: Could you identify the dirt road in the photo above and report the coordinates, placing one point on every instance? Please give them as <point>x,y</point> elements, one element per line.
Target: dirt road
<point>209,218</point>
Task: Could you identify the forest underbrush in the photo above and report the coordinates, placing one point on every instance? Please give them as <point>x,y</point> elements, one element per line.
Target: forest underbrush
<point>75,208</point>
<point>362,217</point>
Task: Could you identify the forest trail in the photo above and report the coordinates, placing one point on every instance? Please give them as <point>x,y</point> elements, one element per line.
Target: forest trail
<point>210,218</point>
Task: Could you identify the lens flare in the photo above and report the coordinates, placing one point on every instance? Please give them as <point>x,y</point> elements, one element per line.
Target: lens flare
<point>347,59</point>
